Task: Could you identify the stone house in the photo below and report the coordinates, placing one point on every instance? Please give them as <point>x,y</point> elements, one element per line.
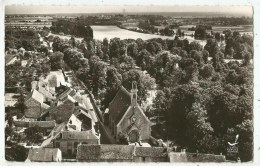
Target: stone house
<point>34,105</point>
<point>194,157</point>
<point>105,153</point>
<point>68,141</point>
<point>126,118</point>
<point>150,154</point>
<point>44,155</point>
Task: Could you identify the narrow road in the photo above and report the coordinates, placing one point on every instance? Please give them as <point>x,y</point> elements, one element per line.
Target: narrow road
<point>106,135</point>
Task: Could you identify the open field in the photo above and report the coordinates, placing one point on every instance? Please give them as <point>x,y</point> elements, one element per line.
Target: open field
<point>101,32</point>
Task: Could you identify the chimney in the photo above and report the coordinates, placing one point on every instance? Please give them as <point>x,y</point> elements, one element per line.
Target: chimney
<point>134,94</point>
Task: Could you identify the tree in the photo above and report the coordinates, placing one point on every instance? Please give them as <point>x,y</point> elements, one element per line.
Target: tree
<point>143,59</point>
<point>114,81</point>
<point>198,129</point>
<point>206,71</point>
<point>217,36</point>
<point>195,46</point>
<point>245,131</point>
<point>160,105</point>
<point>132,50</point>
<point>21,104</point>
<point>16,153</point>
<point>190,66</point>
<point>200,33</point>
<point>181,101</point>
<point>117,48</point>
<point>73,41</point>
<point>178,32</point>
<point>212,47</point>
<point>34,135</point>
<point>97,74</point>
<point>205,55</point>
<point>126,63</point>
<point>144,82</point>
<point>56,60</point>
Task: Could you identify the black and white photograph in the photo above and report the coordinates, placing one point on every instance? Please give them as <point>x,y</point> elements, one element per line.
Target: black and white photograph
<point>129,83</point>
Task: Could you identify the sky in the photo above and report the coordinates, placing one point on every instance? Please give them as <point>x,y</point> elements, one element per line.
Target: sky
<point>54,9</point>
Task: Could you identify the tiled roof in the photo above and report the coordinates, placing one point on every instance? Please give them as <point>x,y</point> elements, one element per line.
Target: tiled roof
<point>41,124</point>
<point>105,152</point>
<point>43,154</point>
<point>119,104</point>
<point>79,135</point>
<point>68,91</point>
<point>20,123</point>
<point>82,112</point>
<point>150,152</point>
<point>194,157</point>
<point>35,95</point>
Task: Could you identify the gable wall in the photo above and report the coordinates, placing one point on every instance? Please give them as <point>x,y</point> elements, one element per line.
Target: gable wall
<point>33,109</point>
<point>142,123</point>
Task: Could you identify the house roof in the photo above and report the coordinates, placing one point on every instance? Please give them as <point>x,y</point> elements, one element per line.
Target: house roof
<point>43,154</point>
<point>119,104</point>
<point>87,103</point>
<point>79,135</point>
<point>194,157</point>
<point>105,152</point>
<point>45,93</point>
<point>35,95</point>
<point>82,112</point>
<point>41,124</point>
<point>150,152</point>
<point>68,91</point>
<point>44,106</point>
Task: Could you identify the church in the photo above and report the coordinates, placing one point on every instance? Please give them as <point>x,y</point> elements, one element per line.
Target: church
<point>126,118</point>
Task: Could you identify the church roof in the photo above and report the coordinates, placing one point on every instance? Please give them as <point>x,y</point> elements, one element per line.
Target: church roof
<point>119,104</point>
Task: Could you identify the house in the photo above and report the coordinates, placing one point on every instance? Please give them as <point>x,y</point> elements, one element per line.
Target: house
<point>56,79</point>
<point>105,153</point>
<point>44,155</point>
<point>194,157</point>
<point>63,108</point>
<point>68,141</point>
<point>61,111</point>
<point>126,118</point>
<point>10,99</point>
<point>67,135</point>
<point>150,154</point>
<point>34,105</point>
<point>74,123</point>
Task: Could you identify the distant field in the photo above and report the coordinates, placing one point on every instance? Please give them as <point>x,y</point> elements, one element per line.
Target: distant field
<point>109,32</point>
